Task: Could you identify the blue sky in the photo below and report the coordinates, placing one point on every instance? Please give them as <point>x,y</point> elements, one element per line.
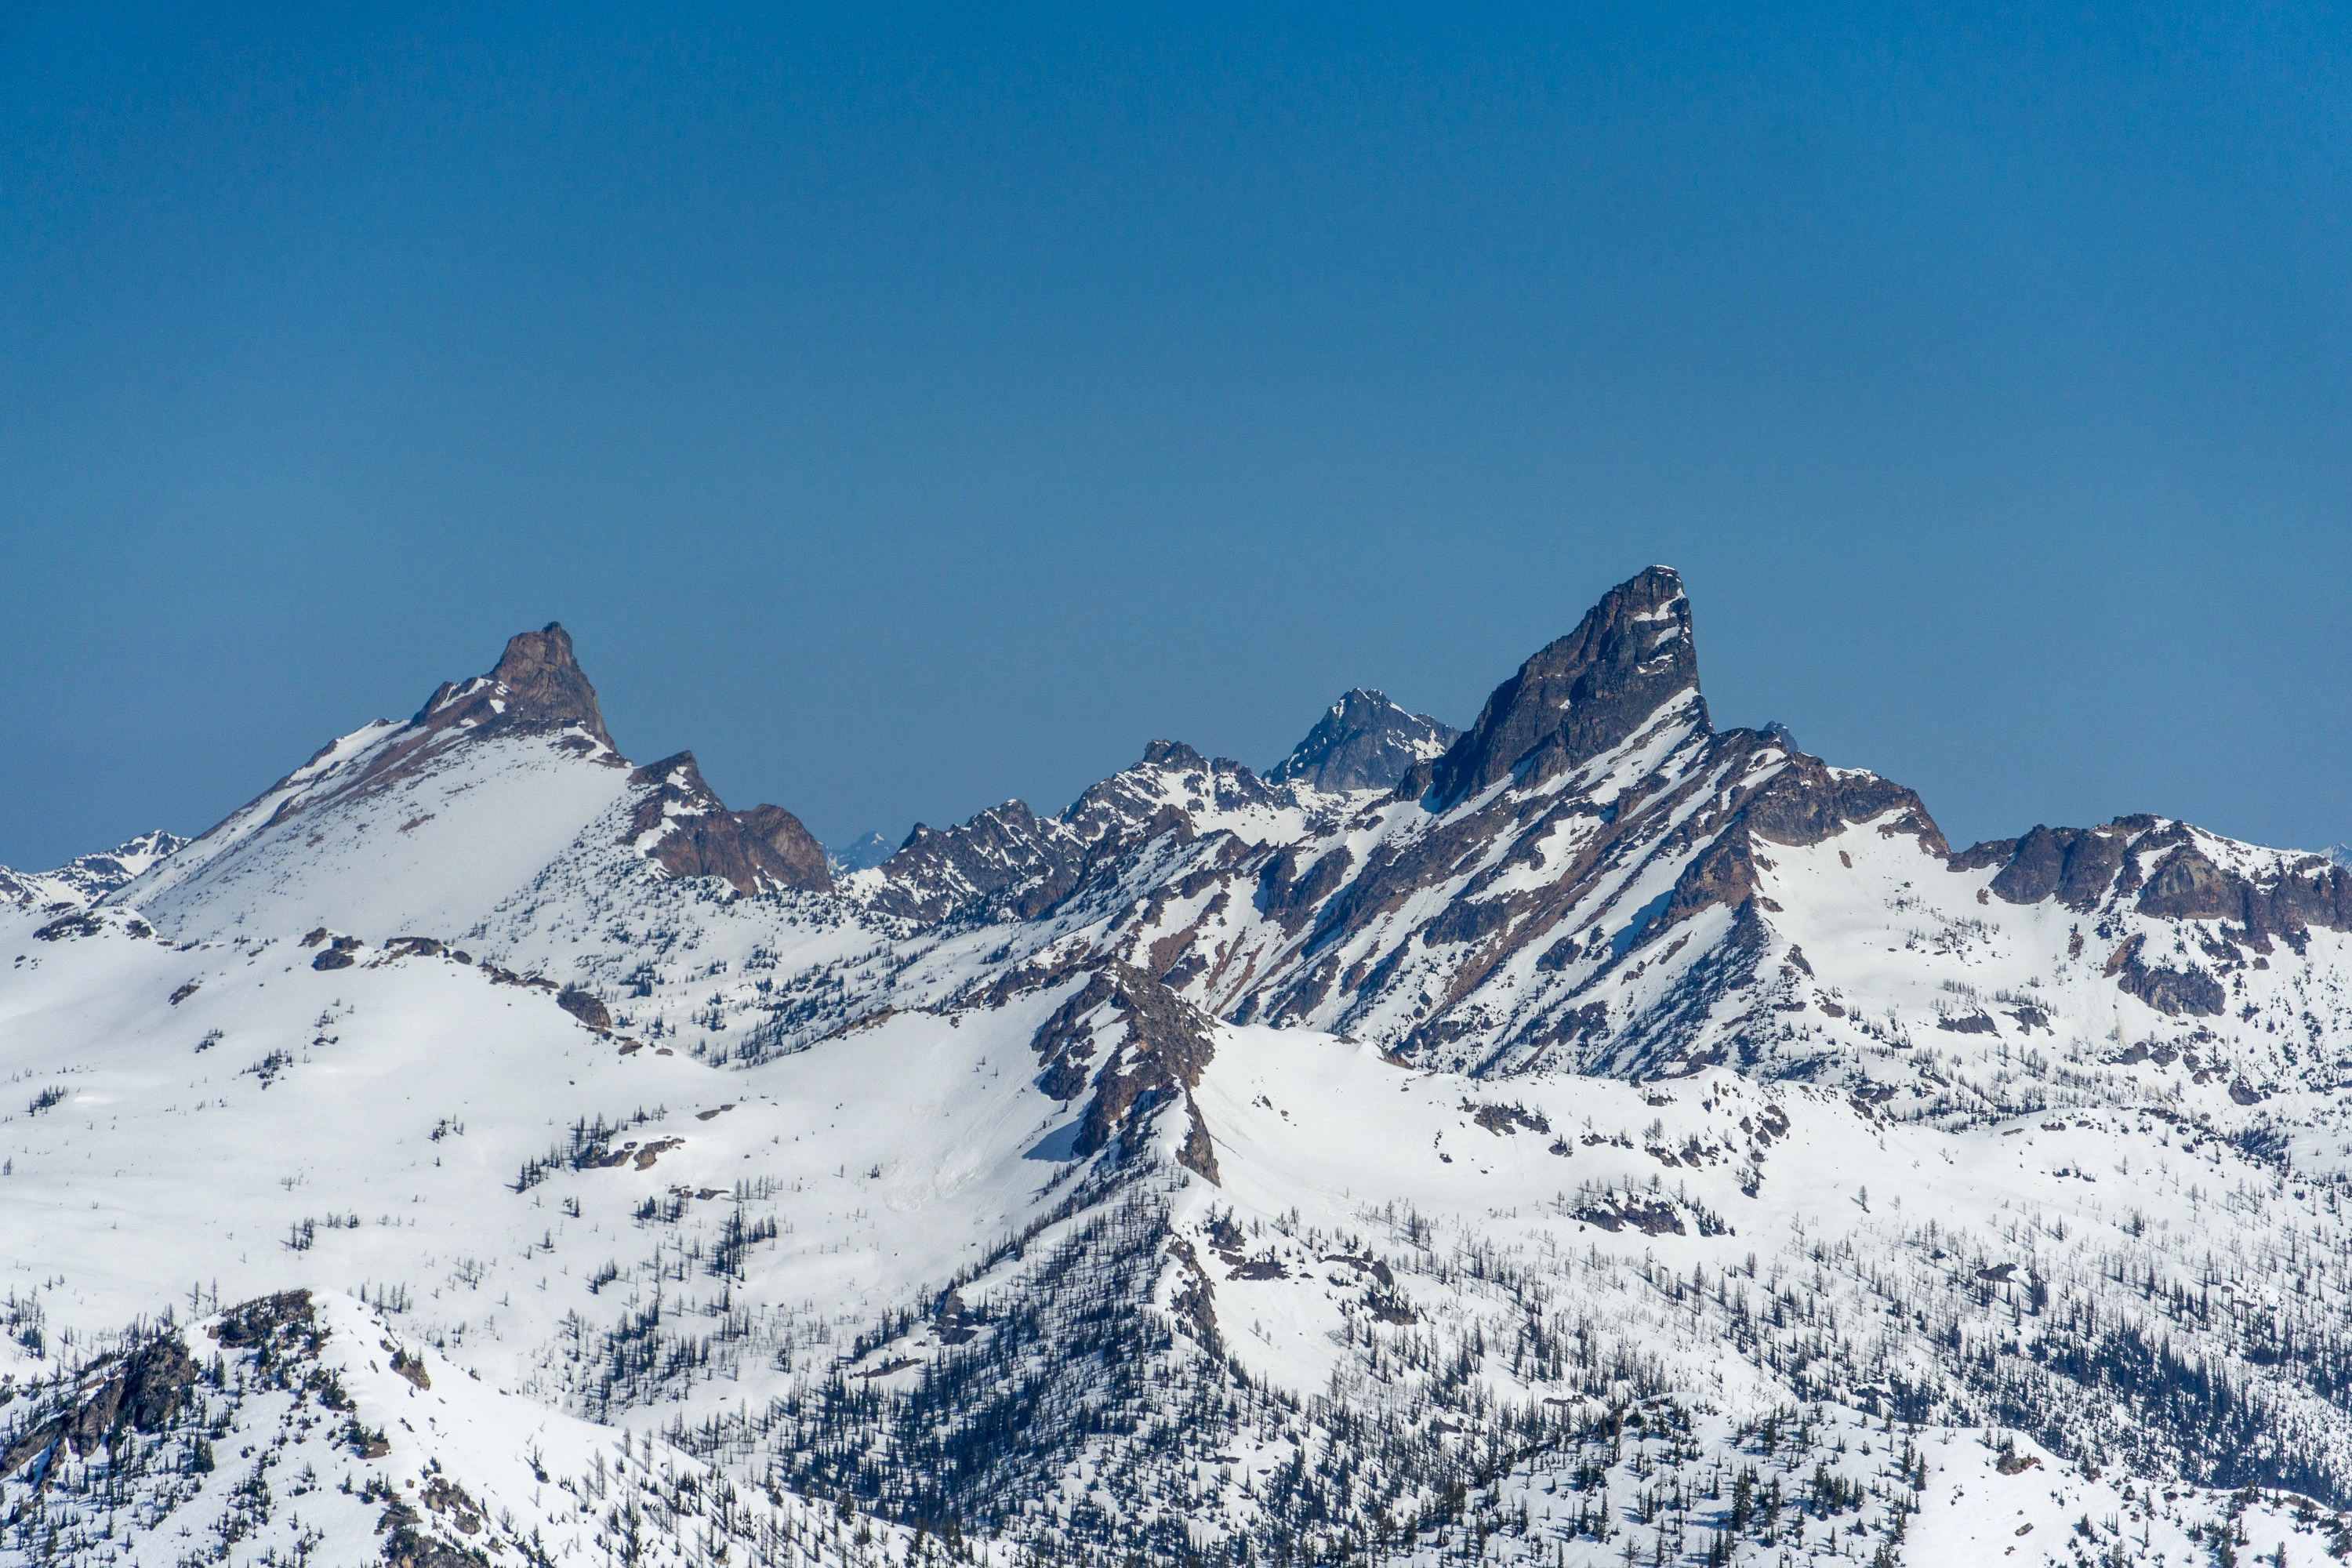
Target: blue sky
<point>906,411</point>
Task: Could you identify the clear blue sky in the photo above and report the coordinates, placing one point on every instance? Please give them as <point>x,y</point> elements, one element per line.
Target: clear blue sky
<point>906,411</point>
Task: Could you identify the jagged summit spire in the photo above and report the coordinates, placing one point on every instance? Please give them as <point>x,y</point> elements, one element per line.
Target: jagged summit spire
<point>1630,654</point>
<point>536,684</point>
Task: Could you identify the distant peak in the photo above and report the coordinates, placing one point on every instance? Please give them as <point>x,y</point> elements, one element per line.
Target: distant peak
<point>88,878</point>
<point>867,850</point>
<point>1364,741</point>
<point>1586,692</point>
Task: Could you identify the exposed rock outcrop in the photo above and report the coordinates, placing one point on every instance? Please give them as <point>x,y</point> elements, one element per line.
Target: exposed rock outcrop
<point>2189,990</point>
<point>683,826</point>
<point>1153,1045</point>
<point>2157,867</point>
<point>1808,802</point>
<point>144,1390</point>
<point>2074,864</point>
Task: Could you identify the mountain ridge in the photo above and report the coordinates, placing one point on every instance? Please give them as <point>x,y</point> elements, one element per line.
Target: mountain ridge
<point>1614,1136</point>
<point>86,879</point>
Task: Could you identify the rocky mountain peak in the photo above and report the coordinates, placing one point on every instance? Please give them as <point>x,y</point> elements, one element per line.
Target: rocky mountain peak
<point>1363,740</point>
<point>1169,754</point>
<point>538,684</point>
<point>682,826</point>
<point>1590,690</point>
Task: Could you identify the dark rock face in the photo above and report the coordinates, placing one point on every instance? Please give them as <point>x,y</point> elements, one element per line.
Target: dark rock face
<point>538,685</point>
<point>145,1392</point>
<point>1065,1042</point>
<point>1289,898</point>
<point>1585,693</point>
<point>2174,990</point>
<point>1724,874</point>
<point>585,1007</point>
<point>2085,868</point>
<point>2317,895</point>
<point>155,1380</point>
<point>29,1444</point>
<point>265,1320</point>
<point>752,851</point>
<point>1363,741</point>
<point>1976,857</point>
<point>2187,885</point>
<point>2075,865</point>
<point>1154,1060</point>
<point>1806,803</point>
<point>785,852</point>
<point>68,927</point>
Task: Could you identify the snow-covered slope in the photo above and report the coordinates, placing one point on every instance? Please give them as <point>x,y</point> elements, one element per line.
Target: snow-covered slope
<point>300,1427</point>
<point>1619,1140</point>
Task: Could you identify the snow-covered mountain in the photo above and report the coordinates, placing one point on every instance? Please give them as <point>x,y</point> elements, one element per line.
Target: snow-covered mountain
<point>86,879</point>
<point>862,853</point>
<point>431,823</point>
<point>1609,1139</point>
